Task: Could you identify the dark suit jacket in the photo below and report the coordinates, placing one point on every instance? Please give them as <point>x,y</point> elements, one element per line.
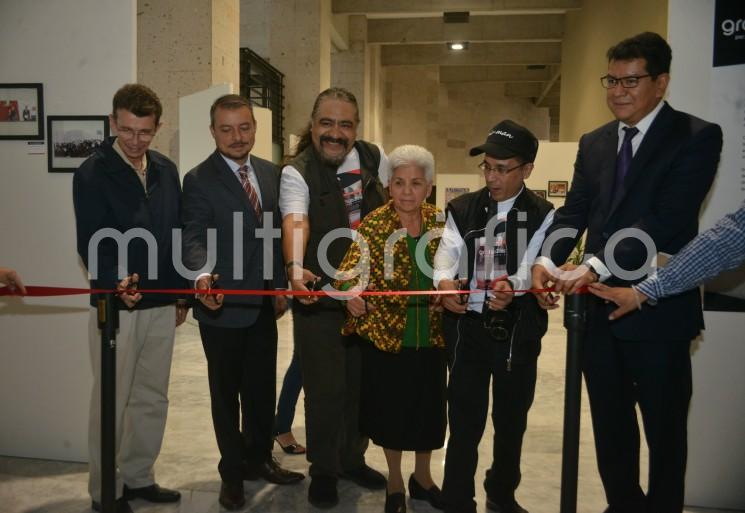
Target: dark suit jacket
<point>212,195</point>
<point>669,177</point>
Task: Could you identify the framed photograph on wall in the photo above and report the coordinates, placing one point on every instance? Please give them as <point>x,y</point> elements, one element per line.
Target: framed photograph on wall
<point>453,192</point>
<point>540,192</point>
<point>557,188</point>
<point>72,139</point>
<point>22,112</point>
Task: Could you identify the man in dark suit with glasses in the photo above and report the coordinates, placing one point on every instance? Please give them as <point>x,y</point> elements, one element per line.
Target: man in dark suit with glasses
<point>647,173</point>
<point>493,333</point>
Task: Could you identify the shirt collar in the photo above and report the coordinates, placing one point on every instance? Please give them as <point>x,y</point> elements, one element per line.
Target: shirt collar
<point>506,205</point>
<point>644,123</point>
<point>120,152</point>
<point>235,167</point>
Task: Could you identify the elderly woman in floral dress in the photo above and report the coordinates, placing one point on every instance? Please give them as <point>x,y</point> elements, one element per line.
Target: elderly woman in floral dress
<point>403,362</point>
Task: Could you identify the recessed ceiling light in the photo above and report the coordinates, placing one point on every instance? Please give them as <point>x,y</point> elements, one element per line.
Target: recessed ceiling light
<point>458,45</point>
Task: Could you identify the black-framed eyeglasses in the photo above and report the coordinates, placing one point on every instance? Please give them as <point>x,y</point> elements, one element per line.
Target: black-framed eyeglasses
<point>504,171</point>
<point>627,82</point>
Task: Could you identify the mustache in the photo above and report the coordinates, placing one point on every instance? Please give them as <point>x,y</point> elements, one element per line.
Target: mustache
<point>337,140</point>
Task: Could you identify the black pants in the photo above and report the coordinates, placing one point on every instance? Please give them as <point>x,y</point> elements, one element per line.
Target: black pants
<point>331,368</point>
<point>656,375</point>
<point>477,359</point>
<point>242,365</point>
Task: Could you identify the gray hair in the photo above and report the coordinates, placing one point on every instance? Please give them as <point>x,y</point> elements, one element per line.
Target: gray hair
<point>411,154</point>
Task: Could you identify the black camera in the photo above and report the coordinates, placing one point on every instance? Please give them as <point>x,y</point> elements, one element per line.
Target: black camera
<point>498,323</point>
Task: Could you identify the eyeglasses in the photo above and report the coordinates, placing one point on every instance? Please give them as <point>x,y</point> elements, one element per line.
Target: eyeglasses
<point>486,168</point>
<point>128,133</point>
<point>628,82</point>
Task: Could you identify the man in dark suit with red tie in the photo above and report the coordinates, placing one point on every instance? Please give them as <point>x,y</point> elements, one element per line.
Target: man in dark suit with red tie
<point>235,195</point>
<point>649,171</point>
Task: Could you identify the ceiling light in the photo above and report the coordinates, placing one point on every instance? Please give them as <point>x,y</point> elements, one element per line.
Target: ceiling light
<point>458,45</point>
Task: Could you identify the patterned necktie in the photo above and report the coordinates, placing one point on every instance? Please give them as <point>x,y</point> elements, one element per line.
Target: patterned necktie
<point>623,160</point>
<point>253,198</point>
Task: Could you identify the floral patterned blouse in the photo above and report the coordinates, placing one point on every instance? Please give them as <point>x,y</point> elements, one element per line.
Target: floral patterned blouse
<point>386,323</point>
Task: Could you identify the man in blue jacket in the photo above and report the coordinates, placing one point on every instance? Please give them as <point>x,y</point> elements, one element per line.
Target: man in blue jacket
<point>126,186</point>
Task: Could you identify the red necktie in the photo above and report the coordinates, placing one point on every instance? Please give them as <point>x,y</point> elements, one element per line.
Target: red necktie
<point>253,198</point>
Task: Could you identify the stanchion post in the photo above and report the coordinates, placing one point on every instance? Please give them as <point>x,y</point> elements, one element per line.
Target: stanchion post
<point>575,312</point>
<point>108,322</point>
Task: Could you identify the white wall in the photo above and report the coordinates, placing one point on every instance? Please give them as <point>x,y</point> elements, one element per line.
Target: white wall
<point>716,447</point>
<point>555,161</point>
<point>82,51</point>
<point>195,138</point>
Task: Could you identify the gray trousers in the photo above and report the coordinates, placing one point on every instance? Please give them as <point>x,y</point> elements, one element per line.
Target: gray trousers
<point>143,366</point>
<point>330,366</point>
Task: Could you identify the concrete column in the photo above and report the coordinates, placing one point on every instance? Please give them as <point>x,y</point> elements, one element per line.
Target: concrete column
<point>185,46</point>
<point>300,47</point>
<point>349,70</point>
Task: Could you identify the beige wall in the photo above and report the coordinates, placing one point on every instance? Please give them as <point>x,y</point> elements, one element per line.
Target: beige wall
<point>589,33</point>
<point>448,119</point>
<point>299,47</point>
<point>555,161</point>
<point>185,46</point>
<point>349,68</point>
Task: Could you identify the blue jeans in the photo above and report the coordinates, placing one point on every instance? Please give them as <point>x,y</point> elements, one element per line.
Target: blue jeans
<point>291,386</point>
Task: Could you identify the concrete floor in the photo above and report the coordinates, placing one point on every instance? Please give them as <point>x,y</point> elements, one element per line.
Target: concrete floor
<point>188,460</point>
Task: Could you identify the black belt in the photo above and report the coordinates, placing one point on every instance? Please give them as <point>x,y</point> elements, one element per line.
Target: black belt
<point>473,315</point>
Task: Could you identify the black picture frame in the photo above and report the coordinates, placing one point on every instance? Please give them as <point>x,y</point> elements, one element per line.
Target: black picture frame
<point>72,139</point>
<point>22,112</point>
<point>540,192</point>
<point>557,188</point>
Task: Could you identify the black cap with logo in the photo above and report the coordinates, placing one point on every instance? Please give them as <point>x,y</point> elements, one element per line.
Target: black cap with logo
<point>507,140</point>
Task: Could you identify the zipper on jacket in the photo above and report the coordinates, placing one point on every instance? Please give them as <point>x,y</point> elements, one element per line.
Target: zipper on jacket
<point>512,340</point>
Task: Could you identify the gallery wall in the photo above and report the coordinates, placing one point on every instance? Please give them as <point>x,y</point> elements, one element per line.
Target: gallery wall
<point>45,371</point>
<point>588,34</point>
<point>717,415</point>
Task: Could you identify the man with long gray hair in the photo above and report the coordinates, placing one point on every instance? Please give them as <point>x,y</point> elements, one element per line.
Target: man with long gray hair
<point>331,183</point>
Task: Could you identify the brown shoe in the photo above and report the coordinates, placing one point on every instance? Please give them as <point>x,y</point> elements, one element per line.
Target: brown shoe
<point>271,471</point>
<point>231,495</point>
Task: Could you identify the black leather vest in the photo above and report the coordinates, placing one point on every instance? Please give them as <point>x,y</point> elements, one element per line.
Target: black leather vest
<point>470,213</point>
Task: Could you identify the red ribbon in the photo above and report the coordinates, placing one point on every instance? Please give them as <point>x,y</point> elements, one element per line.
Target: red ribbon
<point>38,291</point>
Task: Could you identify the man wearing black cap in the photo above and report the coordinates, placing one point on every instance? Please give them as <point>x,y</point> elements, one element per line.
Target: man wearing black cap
<point>495,331</point>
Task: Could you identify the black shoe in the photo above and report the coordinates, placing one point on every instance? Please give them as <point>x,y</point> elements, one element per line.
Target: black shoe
<point>322,492</point>
<point>395,503</point>
<point>152,493</point>
<point>418,492</point>
<point>271,471</point>
<point>508,506</point>
<point>365,477</point>
<point>231,495</point>
<point>121,506</point>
